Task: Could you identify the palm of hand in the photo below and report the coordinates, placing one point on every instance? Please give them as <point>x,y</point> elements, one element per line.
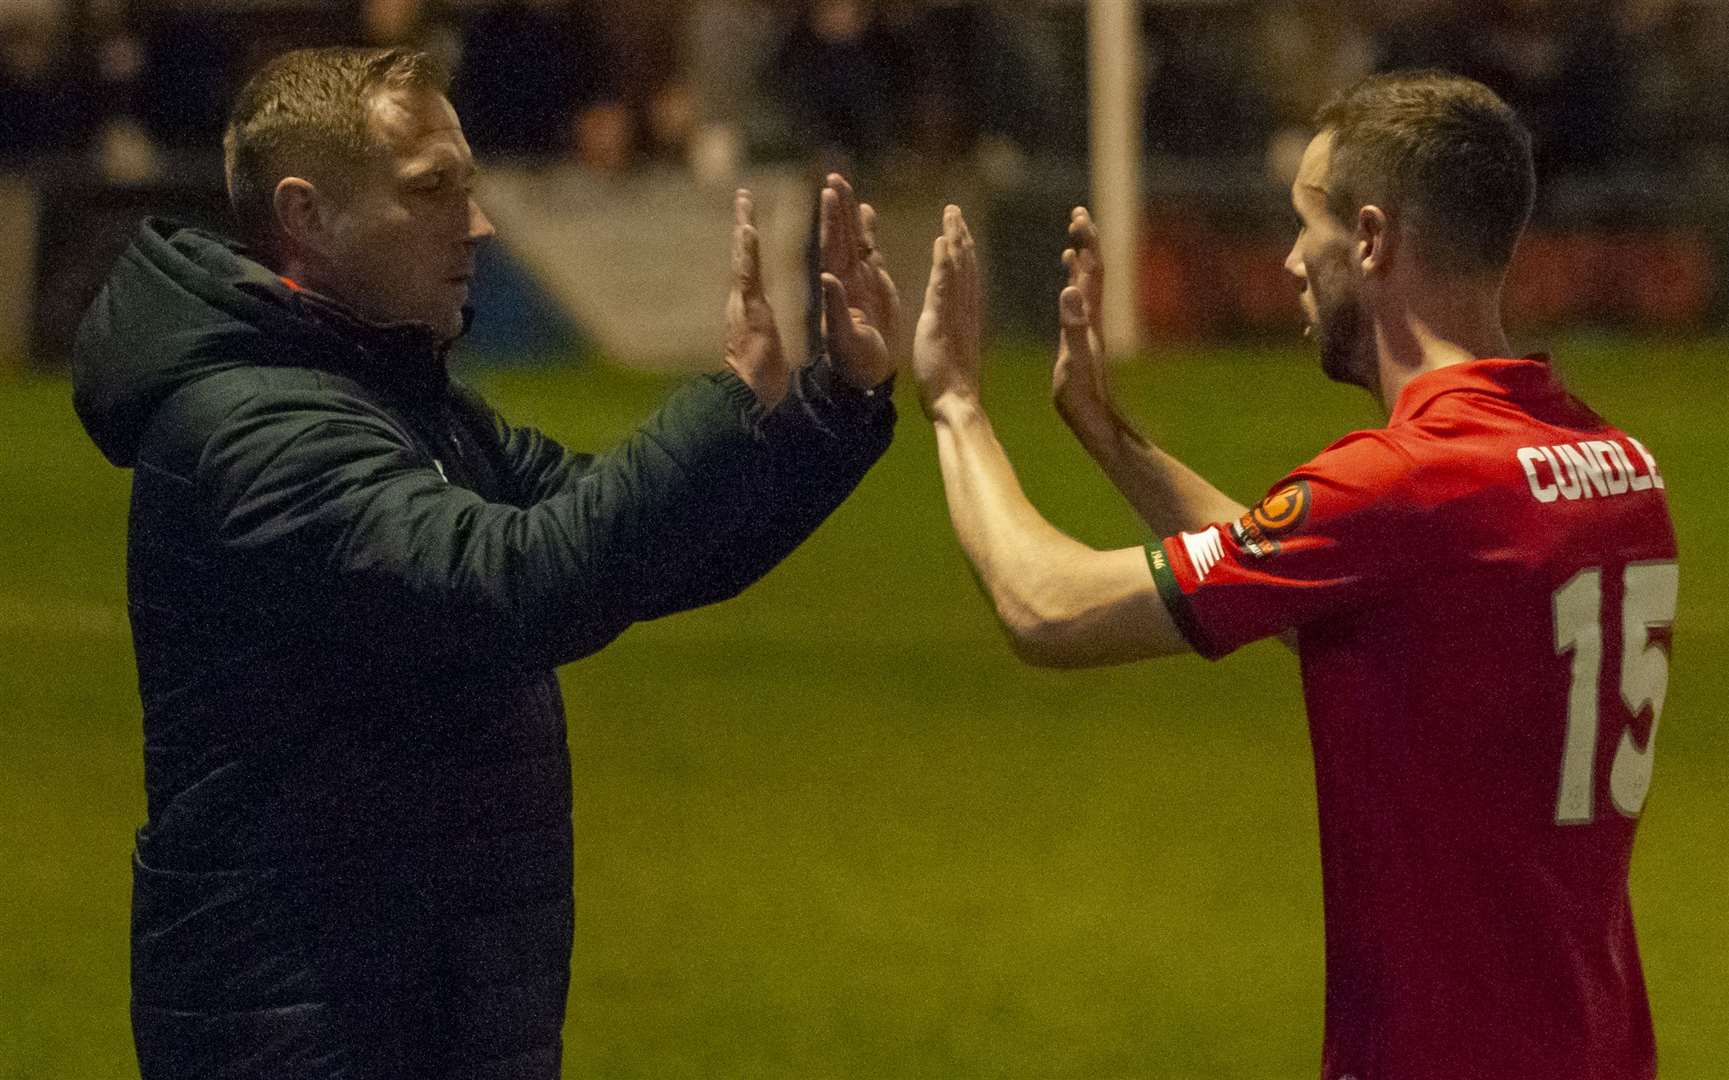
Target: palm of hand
<point>863,346</point>
<point>946,341</point>
<point>752,338</point>
<point>753,345</point>
<point>861,307</point>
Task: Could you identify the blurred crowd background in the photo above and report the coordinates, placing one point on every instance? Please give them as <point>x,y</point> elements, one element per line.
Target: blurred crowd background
<point>1626,99</point>
<point>136,87</point>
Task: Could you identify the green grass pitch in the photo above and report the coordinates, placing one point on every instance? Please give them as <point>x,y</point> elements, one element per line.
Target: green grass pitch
<point>831,829</point>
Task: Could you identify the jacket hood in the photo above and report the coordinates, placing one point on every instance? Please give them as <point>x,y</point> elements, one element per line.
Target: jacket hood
<point>182,304</point>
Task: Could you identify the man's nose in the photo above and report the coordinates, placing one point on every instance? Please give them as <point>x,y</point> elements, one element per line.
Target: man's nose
<point>479,225</point>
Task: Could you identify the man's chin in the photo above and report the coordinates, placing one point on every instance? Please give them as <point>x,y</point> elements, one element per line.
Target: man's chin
<point>447,324</point>
<point>1338,335</point>
<point>460,322</point>
<point>1338,368</point>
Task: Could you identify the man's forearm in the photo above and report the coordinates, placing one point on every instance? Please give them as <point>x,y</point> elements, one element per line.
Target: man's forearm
<point>1062,603</point>
<point>819,443</point>
<point>1168,495</point>
<point>1004,537</point>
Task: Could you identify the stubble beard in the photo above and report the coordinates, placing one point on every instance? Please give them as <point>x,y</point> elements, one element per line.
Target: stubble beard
<point>1339,332</point>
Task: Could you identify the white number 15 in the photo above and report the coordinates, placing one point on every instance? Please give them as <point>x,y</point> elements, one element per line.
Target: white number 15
<point>1647,603</point>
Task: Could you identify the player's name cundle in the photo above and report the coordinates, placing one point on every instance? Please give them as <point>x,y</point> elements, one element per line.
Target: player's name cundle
<point>1590,469</point>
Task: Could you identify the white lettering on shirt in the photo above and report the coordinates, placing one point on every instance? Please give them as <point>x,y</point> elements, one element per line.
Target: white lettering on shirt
<point>1529,456</point>
<point>1636,481</point>
<point>1595,468</point>
<point>1566,479</point>
<point>1650,462</point>
<point>1580,461</point>
<point>1604,455</point>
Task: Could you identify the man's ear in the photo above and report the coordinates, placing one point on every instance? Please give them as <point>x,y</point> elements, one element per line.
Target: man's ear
<point>1375,240</point>
<point>300,214</point>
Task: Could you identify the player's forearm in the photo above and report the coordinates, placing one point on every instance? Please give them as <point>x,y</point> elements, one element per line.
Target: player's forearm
<point>1168,495</point>
<point>1002,534</point>
<point>1046,588</point>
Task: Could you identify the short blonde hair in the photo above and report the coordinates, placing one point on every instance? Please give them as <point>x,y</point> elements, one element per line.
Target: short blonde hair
<point>305,113</point>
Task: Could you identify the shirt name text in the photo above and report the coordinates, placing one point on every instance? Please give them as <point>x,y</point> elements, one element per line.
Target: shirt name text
<point>1596,468</point>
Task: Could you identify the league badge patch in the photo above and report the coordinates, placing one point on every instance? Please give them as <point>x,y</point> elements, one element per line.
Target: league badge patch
<point>1257,531</point>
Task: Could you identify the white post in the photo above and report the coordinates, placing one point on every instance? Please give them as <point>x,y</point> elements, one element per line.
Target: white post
<point>1115,75</point>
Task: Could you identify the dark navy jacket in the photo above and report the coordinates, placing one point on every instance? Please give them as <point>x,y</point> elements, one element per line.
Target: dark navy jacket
<point>349,583</point>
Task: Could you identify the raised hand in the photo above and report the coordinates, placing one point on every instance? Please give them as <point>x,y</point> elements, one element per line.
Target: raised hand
<point>753,348</point>
<point>861,308</point>
<point>946,342</point>
<point>1079,383</point>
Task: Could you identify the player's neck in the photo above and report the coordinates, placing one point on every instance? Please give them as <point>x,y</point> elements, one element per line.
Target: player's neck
<point>1445,323</point>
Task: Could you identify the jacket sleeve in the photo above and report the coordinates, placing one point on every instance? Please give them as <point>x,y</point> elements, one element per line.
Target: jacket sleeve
<point>323,492</point>
<point>821,440</point>
<point>814,448</point>
<point>531,467</point>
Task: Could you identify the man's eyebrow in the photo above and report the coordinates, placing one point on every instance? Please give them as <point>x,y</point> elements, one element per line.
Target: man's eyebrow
<point>469,169</point>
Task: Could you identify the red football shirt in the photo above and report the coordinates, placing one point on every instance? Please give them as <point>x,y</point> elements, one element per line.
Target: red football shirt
<point>1482,593</point>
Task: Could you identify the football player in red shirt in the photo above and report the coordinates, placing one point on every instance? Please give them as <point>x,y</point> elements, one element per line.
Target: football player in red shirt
<point>1480,594</point>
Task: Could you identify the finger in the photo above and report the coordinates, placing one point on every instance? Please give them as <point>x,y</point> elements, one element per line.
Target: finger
<point>834,234</point>
<point>1072,263</point>
<point>1072,309</point>
<point>937,288</point>
<point>838,319</point>
<point>877,293</point>
<point>746,252</point>
<point>746,244</point>
<point>877,278</point>
<point>962,238</point>
<point>1071,312</point>
<point>967,265</point>
<point>1086,270</point>
<point>863,230</point>
<point>889,298</point>
<point>849,205</point>
<point>850,241</point>
<point>953,224</point>
<point>1084,236</point>
<point>747,261</point>
<point>1081,227</point>
<point>867,215</point>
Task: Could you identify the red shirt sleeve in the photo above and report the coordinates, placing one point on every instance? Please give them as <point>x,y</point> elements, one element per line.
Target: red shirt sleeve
<point>1324,541</point>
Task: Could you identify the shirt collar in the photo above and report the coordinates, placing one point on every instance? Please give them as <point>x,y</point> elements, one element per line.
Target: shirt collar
<point>1522,378</point>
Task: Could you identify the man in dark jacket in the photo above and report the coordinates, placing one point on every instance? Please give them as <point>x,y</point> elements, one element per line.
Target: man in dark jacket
<point>350,582</point>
